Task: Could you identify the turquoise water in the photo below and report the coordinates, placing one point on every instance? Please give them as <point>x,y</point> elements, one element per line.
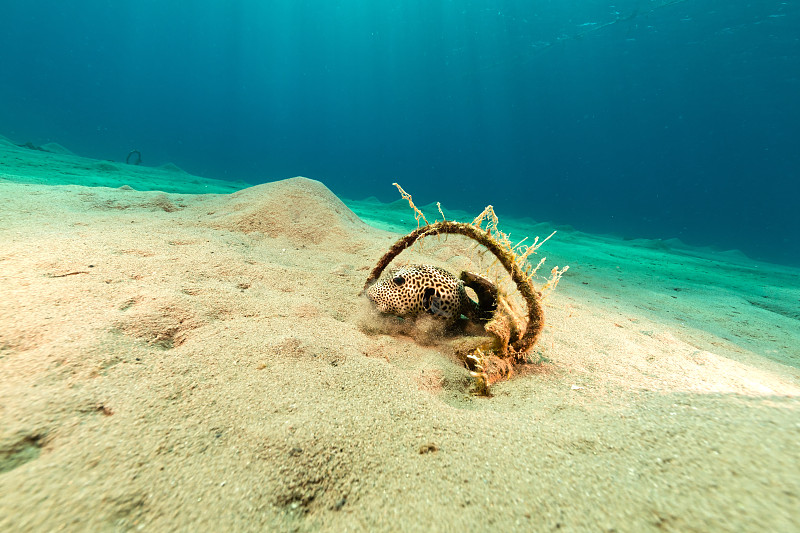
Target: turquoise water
<point>654,119</point>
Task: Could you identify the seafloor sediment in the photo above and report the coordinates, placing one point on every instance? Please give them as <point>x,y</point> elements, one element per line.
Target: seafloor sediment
<point>205,362</point>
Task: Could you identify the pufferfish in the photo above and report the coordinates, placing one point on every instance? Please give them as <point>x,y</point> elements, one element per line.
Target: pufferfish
<point>416,289</point>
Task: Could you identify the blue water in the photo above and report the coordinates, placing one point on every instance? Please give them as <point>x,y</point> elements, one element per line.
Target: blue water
<point>634,117</point>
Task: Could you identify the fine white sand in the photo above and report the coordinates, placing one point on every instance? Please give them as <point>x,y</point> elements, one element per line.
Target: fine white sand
<point>205,362</point>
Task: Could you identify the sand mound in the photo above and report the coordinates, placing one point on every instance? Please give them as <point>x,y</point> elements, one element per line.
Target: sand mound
<point>301,209</point>
<point>171,167</point>
<point>55,148</point>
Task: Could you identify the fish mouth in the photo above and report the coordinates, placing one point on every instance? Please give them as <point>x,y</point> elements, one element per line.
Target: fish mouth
<point>383,307</point>
<point>371,296</point>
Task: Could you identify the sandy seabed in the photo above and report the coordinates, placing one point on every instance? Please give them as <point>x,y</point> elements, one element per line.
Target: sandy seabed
<point>204,362</point>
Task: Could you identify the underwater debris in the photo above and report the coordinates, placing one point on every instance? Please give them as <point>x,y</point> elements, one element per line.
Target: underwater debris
<point>137,161</point>
<point>30,146</point>
<point>514,335</point>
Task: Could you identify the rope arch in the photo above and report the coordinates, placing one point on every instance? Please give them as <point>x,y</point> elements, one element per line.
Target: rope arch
<point>504,256</point>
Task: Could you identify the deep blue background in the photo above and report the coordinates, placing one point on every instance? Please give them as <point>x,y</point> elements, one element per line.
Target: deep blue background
<point>682,119</point>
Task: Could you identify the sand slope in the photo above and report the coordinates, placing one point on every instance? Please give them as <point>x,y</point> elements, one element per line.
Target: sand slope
<point>53,164</point>
<point>181,362</point>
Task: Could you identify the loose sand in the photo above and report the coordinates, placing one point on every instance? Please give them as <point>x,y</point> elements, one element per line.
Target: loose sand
<point>177,362</point>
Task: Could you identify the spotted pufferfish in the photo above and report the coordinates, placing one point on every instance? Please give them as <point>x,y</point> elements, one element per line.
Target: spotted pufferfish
<point>416,289</point>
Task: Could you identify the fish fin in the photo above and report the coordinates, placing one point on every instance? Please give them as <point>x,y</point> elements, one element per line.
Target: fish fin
<point>433,304</point>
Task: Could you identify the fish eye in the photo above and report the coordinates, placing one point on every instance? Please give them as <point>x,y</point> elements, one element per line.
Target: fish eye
<point>399,280</point>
